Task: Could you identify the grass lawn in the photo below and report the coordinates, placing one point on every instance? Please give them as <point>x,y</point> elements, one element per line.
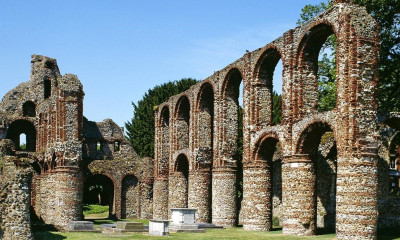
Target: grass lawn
<point>229,233</point>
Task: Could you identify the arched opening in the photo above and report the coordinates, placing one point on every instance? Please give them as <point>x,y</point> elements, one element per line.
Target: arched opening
<point>205,127</point>
<point>200,187</point>
<point>270,155</point>
<point>179,182</point>
<point>22,130</point>
<point>29,109</point>
<point>318,70</point>
<point>163,159</point>
<point>269,102</point>
<point>99,190</point>
<point>130,197</point>
<point>232,147</point>
<point>319,143</point>
<point>47,89</point>
<point>182,117</point>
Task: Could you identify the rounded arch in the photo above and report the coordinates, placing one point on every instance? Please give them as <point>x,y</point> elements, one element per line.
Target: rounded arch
<point>29,109</point>
<point>204,127</point>
<point>182,165</point>
<point>99,189</point>
<point>205,96</point>
<point>182,123</point>
<point>130,197</point>
<point>307,54</point>
<point>164,116</point>
<point>265,146</point>
<point>182,108</point>
<point>266,63</point>
<point>19,127</point>
<point>310,136</point>
<point>230,87</point>
<point>266,97</point>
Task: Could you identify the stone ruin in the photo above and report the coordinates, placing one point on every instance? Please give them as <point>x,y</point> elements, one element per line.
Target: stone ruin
<point>332,170</point>
<point>65,157</point>
<point>313,170</point>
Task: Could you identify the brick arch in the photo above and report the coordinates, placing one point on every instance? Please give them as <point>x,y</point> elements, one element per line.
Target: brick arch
<point>269,134</point>
<point>112,199</point>
<point>201,92</point>
<point>230,108</point>
<point>263,77</point>
<point>204,127</point>
<point>267,54</point>
<point>233,77</point>
<point>307,53</point>
<point>182,122</point>
<point>164,116</point>
<point>311,135</point>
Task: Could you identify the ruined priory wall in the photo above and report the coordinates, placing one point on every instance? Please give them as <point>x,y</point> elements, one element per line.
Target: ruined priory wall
<point>352,122</point>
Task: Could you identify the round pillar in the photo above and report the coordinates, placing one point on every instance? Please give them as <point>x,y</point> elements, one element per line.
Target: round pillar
<point>298,194</point>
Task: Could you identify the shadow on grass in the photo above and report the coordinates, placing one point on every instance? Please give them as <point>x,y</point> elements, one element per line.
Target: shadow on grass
<point>48,235</point>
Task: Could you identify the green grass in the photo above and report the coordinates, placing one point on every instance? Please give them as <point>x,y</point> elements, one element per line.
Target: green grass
<point>228,234</point>
<point>236,233</point>
<point>94,209</point>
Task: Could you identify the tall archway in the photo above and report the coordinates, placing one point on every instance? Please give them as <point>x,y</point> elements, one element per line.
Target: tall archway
<point>269,100</point>
<point>262,185</point>
<point>99,189</point>
<point>200,175</point>
<point>313,84</point>
<point>19,127</point>
<point>130,197</point>
<point>182,123</point>
<point>316,177</point>
<point>162,141</point>
<point>226,173</point>
<point>178,183</point>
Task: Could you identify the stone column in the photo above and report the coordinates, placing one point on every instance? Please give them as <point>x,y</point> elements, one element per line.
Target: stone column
<point>257,198</point>
<point>356,197</point>
<point>200,194</point>
<point>68,196</point>
<point>160,199</point>
<point>298,194</point>
<point>224,196</point>
<point>178,191</point>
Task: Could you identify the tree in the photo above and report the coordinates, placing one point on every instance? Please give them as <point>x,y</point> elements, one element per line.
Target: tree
<point>140,130</point>
<point>387,14</point>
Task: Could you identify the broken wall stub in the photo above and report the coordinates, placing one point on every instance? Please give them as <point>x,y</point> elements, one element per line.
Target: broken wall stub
<point>352,124</point>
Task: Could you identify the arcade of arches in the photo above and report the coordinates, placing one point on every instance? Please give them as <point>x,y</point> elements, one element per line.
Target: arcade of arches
<point>312,170</point>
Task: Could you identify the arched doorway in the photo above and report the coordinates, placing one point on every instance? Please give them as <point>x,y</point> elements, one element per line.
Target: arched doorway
<point>130,197</point>
<point>319,144</point>
<point>99,190</point>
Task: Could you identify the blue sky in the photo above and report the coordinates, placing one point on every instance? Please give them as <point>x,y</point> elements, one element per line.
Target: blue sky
<point>120,49</point>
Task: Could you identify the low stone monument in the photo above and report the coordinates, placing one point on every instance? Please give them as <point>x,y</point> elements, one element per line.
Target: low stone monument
<point>81,226</point>
<point>183,220</point>
<point>159,227</point>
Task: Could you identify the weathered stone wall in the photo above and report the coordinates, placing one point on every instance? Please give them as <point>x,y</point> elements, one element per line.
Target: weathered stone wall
<point>60,144</point>
<point>15,177</point>
<point>353,163</point>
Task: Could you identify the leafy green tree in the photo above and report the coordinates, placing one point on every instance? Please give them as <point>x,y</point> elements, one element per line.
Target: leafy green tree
<point>276,108</point>
<point>140,130</point>
<point>387,14</point>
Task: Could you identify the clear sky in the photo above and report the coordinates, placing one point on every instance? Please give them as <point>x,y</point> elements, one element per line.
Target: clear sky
<point>120,49</point>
